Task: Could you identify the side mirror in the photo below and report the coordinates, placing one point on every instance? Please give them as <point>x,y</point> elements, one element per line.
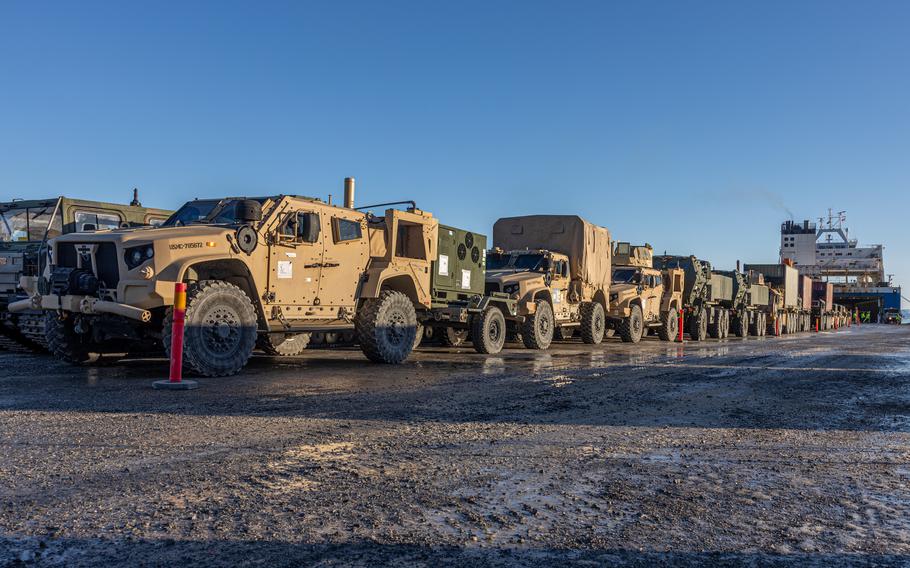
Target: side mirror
<point>308,227</point>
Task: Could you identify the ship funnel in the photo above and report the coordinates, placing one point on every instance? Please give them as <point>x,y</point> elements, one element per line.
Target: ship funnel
<point>135,201</point>
<point>349,193</point>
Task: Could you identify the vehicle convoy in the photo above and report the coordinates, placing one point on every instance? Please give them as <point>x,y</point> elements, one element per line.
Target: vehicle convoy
<point>789,309</point>
<point>642,297</point>
<point>707,296</point>
<point>268,270</point>
<point>747,309</point>
<point>26,228</point>
<point>557,269</point>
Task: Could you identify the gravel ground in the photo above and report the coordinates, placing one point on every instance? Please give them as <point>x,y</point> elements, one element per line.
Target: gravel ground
<point>790,451</point>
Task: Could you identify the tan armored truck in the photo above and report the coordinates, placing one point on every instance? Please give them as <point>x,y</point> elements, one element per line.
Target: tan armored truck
<point>557,268</point>
<point>642,297</point>
<point>272,269</point>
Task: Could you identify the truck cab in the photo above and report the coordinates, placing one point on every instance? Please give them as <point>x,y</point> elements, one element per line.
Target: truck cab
<point>642,297</point>
<point>528,275</point>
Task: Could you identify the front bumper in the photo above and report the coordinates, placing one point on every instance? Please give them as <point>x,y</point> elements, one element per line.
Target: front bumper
<point>81,305</point>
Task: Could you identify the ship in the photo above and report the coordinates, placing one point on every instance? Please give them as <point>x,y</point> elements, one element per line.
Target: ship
<point>825,251</point>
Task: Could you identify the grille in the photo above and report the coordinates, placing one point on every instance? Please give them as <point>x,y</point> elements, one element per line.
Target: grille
<point>105,255</point>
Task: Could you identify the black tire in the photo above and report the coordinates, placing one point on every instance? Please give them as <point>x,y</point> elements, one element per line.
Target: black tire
<point>220,332</point>
<point>715,329</point>
<point>632,328</point>
<point>669,325</point>
<point>454,337</point>
<point>537,330</point>
<point>593,322</point>
<point>741,325</point>
<point>418,335</point>
<point>284,345</point>
<point>698,325</point>
<point>386,327</point>
<point>489,331</point>
<point>32,331</point>
<point>65,344</point>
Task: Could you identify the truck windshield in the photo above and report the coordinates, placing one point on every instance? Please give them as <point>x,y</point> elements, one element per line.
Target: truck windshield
<point>626,276</point>
<point>213,211</point>
<point>28,224</point>
<point>496,261</point>
<point>192,212</point>
<point>533,261</point>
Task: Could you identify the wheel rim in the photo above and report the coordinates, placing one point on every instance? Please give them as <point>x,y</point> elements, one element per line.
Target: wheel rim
<point>396,330</point>
<point>221,330</point>
<point>544,325</point>
<point>495,331</point>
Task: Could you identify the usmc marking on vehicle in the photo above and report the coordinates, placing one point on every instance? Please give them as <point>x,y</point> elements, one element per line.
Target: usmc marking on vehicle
<point>183,246</point>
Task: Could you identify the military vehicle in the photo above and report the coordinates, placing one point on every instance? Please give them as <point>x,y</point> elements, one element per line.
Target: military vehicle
<point>892,316</point>
<point>270,270</point>
<point>824,312</point>
<point>557,269</point>
<point>642,297</point>
<point>748,305</point>
<point>786,312</point>
<point>26,227</point>
<point>707,296</point>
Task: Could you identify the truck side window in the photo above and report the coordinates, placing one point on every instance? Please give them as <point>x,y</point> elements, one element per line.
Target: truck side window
<point>345,230</point>
<point>301,227</point>
<point>91,221</point>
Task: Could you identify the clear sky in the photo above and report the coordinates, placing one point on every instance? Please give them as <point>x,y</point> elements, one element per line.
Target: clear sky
<point>694,126</point>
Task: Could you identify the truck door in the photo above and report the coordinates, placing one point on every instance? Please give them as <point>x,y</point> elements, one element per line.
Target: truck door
<point>559,289</point>
<point>347,253</point>
<point>654,292</point>
<point>295,260</point>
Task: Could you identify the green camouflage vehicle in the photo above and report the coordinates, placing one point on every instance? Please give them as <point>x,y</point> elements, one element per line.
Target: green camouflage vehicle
<point>25,228</point>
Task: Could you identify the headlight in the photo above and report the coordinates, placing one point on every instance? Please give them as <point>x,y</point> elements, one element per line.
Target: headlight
<point>134,256</point>
<point>510,288</point>
<point>614,297</point>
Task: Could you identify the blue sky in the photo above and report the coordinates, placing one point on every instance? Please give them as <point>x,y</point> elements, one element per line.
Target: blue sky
<point>694,126</point>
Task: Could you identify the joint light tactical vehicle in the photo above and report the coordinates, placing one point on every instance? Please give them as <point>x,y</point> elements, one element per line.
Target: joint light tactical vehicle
<point>26,227</point>
<point>269,270</point>
<point>642,297</point>
<point>557,269</point>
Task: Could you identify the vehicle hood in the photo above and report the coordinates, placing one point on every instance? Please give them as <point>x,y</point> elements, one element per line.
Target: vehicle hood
<point>623,288</point>
<point>512,275</point>
<point>147,234</point>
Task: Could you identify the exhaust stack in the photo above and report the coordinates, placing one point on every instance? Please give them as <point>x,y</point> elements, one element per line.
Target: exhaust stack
<point>135,201</point>
<point>349,193</point>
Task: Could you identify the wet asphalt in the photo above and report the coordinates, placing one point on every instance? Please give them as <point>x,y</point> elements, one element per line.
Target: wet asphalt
<point>774,451</point>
